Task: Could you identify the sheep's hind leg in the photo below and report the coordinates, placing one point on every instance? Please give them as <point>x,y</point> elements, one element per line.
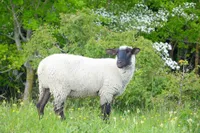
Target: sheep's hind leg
<point>44,97</point>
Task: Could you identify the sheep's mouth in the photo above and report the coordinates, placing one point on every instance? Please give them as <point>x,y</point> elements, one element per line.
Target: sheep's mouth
<point>121,64</point>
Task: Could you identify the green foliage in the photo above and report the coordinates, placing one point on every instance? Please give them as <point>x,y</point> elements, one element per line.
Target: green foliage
<point>10,58</point>
<point>58,27</point>
<point>11,62</point>
<point>78,34</point>
<point>42,44</point>
<point>77,29</point>
<point>181,29</point>
<point>138,92</point>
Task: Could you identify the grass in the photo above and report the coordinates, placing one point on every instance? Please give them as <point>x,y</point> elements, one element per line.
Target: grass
<point>21,118</point>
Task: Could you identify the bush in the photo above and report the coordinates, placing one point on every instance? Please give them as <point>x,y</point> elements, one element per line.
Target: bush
<point>152,85</point>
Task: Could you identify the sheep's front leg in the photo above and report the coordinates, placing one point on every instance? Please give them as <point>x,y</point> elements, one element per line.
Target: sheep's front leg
<point>58,109</point>
<point>105,100</point>
<point>106,109</point>
<point>59,101</point>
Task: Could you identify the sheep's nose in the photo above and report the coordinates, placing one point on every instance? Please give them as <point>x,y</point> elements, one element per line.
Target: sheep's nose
<point>119,62</point>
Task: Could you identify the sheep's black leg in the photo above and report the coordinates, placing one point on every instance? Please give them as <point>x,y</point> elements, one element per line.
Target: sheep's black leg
<point>59,111</point>
<point>106,109</point>
<point>43,101</point>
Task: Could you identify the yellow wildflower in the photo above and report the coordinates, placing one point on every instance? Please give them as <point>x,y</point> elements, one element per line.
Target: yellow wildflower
<point>161,125</point>
<point>180,61</point>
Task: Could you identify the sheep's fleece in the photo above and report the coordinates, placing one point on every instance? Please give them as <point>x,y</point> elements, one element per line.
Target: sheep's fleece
<point>69,75</point>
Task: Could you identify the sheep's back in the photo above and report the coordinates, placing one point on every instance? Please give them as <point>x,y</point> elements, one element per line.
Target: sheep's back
<point>77,73</point>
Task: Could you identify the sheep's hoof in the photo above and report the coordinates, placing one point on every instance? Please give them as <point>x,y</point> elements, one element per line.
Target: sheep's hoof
<point>63,118</point>
<point>40,114</point>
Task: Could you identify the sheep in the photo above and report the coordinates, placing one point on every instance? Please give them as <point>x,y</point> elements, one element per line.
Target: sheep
<point>67,75</point>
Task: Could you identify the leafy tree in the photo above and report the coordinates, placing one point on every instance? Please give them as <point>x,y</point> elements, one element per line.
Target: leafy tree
<point>19,18</point>
<point>182,31</point>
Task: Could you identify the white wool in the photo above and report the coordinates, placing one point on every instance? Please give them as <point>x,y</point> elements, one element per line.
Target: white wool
<point>124,47</point>
<point>69,75</point>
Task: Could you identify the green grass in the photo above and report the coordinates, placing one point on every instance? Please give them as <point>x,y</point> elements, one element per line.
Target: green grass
<point>24,119</point>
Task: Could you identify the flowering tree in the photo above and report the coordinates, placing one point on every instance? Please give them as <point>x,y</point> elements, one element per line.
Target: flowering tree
<point>173,25</point>
<point>182,31</point>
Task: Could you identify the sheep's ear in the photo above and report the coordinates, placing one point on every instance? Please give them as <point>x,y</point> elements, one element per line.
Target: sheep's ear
<point>112,51</point>
<point>135,51</point>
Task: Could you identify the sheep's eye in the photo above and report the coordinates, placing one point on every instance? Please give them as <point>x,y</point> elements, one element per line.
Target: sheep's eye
<point>128,51</point>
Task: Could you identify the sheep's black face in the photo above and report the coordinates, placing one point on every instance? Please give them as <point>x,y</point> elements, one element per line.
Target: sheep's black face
<point>124,55</point>
<point>124,58</point>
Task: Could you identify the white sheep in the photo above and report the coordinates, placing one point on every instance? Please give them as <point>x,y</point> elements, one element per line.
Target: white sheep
<point>66,75</point>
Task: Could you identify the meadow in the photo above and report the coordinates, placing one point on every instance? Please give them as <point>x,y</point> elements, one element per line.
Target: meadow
<point>21,118</point>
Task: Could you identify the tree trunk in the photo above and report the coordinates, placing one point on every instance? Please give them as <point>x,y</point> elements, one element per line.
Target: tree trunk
<point>19,38</point>
<point>196,67</point>
<point>29,82</point>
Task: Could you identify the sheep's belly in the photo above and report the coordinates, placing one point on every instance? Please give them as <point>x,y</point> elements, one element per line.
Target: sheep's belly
<point>82,93</point>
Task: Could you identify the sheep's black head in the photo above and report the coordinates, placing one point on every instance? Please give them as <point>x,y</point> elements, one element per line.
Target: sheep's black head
<point>124,55</point>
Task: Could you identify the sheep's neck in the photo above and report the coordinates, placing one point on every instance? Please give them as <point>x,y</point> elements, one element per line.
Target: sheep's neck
<point>126,74</point>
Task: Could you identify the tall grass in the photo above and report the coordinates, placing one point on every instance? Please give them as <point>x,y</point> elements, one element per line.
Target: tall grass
<point>19,118</point>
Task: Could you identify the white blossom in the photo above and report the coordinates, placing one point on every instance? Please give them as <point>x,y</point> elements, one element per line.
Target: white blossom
<point>139,17</point>
<point>162,49</point>
<point>180,11</point>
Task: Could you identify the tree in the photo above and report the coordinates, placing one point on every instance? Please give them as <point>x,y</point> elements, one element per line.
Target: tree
<point>19,18</point>
<point>182,32</point>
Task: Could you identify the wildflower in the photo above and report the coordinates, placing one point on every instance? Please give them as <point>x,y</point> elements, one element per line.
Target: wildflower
<point>21,103</point>
<point>71,109</point>
<point>4,102</point>
<point>183,62</point>
<point>180,61</point>
<point>175,112</point>
<point>170,113</point>
<point>141,121</point>
<point>190,121</point>
<point>15,105</point>
<point>161,125</point>
<point>138,111</point>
